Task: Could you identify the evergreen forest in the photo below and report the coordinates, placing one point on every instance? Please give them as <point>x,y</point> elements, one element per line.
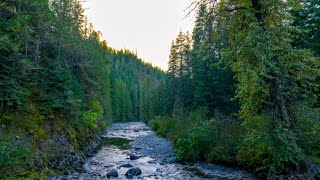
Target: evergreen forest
<point>242,89</point>
<point>60,82</point>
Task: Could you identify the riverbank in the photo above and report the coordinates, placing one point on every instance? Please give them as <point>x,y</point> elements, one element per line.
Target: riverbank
<point>49,149</point>
<point>135,145</point>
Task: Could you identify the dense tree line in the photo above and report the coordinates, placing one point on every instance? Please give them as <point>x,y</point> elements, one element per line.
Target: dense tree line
<point>196,76</point>
<point>249,76</point>
<point>57,76</point>
<point>135,85</point>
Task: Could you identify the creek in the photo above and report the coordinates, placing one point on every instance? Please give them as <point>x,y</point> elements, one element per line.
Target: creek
<point>135,145</point>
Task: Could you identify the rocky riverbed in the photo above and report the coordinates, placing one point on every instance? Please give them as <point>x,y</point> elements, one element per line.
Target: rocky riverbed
<point>133,150</point>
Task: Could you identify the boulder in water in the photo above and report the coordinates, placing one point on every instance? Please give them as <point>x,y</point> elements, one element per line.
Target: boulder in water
<point>134,157</point>
<point>112,174</point>
<point>133,172</point>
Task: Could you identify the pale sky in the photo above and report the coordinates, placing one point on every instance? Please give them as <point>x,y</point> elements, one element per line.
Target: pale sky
<point>148,26</point>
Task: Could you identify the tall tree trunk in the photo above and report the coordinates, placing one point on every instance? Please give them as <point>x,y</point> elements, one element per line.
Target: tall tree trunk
<point>37,53</point>
<point>260,16</point>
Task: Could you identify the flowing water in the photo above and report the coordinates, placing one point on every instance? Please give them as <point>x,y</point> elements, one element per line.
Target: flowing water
<point>155,155</point>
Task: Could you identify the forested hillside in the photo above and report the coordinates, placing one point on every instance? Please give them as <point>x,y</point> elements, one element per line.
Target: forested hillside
<point>243,88</point>
<point>134,87</point>
<point>61,85</point>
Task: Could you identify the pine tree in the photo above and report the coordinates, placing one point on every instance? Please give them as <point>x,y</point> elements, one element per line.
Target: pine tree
<point>179,75</point>
<point>213,83</point>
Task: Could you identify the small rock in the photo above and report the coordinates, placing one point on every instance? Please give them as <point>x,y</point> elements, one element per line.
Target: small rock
<point>151,161</point>
<point>95,163</point>
<point>134,157</point>
<point>126,166</point>
<point>108,166</point>
<point>17,137</point>
<point>133,172</point>
<point>112,174</point>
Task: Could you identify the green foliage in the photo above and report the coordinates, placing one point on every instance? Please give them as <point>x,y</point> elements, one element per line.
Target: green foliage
<point>215,140</point>
<point>267,146</point>
<point>58,78</point>
<point>272,76</point>
<point>213,83</point>
<point>57,75</point>
<point>15,156</point>
<point>306,21</point>
<point>196,138</point>
<point>256,59</point>
<point>165,126</point>
<point>308,130</point>
<point>196,76</point>
<point>179,75</point>
<point>134,86</point>
<point>94,114</point>
<point>196,144</point>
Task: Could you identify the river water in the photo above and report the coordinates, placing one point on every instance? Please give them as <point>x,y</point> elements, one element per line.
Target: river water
<point>156,158</point>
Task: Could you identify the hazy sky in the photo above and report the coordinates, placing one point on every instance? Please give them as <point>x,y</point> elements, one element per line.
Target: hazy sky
<point>148,26</point>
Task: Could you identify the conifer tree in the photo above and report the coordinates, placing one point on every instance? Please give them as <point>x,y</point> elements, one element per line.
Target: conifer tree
<point>213,83</point>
